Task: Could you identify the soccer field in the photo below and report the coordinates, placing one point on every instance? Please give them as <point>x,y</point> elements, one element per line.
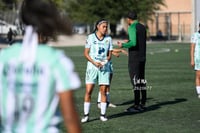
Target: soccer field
<point>173,106</point>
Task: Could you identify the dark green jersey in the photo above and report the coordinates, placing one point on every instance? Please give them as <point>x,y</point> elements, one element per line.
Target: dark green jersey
<point>132,36</point>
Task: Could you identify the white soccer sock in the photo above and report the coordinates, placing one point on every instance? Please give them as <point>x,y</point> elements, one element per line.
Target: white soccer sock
<point>103,108</point>
<point>198,89</point>
<point>86,108</point>
<point>99,97</point>
<point>108,96</point>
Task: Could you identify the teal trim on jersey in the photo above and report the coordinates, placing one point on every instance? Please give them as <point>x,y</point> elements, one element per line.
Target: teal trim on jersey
<point>4,97</point>
<point>65,79</point>
<point>18,91</point>
<point>30,123</point>
<point>132,36</point>
<point>11,52</point>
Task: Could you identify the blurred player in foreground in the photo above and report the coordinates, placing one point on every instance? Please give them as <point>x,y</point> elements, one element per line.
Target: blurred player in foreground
<point>195,58</point>
<point>98,53</point>
<point>116,52</point>
<point>35,78</point>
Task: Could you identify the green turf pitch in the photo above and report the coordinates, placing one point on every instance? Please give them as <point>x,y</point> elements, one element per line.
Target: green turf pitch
<point>173,106</point>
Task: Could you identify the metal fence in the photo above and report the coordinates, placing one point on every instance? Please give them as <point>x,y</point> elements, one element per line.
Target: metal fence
<point>171,25</point>
<point>9,16</point>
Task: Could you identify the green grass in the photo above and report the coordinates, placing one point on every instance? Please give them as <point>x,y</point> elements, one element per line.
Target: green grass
<point>173,106</point>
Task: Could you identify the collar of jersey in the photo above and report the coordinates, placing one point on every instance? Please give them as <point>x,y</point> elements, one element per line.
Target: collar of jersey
<point>98,38</point>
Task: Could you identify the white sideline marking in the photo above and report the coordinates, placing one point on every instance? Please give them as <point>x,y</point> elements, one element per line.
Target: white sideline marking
<point>158,50</point>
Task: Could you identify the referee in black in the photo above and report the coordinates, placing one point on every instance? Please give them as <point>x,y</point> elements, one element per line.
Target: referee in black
<point>136,60</point>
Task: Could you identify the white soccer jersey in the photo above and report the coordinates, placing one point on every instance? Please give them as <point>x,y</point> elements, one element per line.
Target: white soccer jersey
<point>98,52</point>
<point>28,93</point>
<point>99,48</point>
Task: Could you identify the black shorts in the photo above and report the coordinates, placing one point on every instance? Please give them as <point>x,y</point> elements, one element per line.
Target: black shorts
<point>137,73</point>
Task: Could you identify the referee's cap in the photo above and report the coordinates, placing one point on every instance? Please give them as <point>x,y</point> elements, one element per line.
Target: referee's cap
<point>132,15</point>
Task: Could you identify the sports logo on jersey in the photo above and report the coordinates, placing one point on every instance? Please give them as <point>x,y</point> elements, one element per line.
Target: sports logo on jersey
<point>107,42</point>
<point>101,50</point>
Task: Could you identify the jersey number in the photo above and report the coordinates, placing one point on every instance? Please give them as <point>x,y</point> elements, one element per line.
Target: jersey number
<point>23,108</point>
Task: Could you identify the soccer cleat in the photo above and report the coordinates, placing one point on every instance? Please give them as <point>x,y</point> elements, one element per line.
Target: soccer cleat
<point>143,107</point>
<point>133,109</point>
<point>199,96</point>
<point>85,119</point>
<point>103,118</point>
<point>112,105</point>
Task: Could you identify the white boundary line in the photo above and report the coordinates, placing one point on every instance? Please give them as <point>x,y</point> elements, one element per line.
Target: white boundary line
<point>158,50</point>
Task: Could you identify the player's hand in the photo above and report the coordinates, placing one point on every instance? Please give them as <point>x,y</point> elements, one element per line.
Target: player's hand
<point>124,52</point>
<point>98,64</point>
<point>192,63</point>
<point>117,54</point>
<point>104,62</point>
<point>126,41</point>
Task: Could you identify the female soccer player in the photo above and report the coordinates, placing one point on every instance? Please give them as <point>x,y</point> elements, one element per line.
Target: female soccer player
<point>195,58</point>
<point>34,77</point>
<point>98,52</point>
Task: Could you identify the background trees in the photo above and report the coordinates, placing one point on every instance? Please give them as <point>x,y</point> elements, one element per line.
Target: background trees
<point>88,11</point>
